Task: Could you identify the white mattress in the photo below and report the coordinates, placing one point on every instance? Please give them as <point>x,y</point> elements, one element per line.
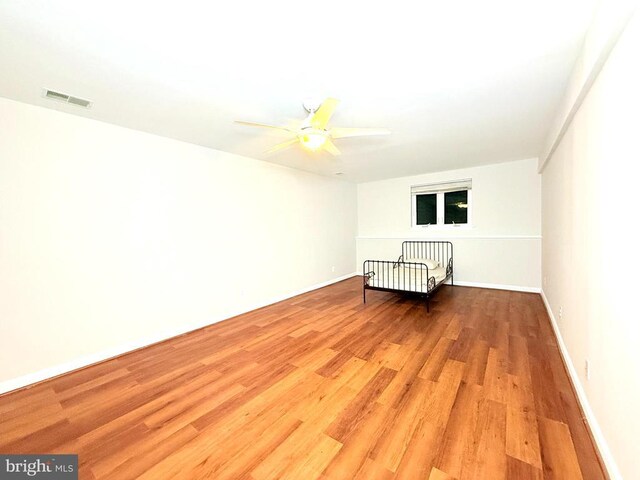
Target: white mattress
<point>408,279</point>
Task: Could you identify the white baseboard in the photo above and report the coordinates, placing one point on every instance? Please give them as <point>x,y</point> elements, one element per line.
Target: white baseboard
<point>601,443</point>
<point>497,286</point>
<point>40,375</point>
<point>493,286</point>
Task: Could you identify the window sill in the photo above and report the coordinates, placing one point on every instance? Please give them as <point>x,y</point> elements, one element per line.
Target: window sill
<point>466,226</point>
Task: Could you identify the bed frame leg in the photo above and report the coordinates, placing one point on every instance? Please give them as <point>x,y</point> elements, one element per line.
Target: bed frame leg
<point>364,295</point>
<point>452,279</point>
<point>428,304</point>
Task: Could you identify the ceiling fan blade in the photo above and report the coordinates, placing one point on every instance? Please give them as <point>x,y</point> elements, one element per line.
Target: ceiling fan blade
<point>282,145</point>
<point>340,132</point>
<point>322,116</point>
<point>331,148</point>
<point>263,125</point>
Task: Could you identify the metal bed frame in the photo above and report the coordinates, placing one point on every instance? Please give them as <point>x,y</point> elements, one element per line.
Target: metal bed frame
<point>440,251</point>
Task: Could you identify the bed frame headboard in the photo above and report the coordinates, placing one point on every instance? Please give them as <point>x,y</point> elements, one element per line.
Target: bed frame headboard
<point>440,251</point>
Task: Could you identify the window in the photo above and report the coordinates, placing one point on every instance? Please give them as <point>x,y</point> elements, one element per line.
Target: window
<point>441,204</point>
<point>456,207</point>
<point>427,209</point>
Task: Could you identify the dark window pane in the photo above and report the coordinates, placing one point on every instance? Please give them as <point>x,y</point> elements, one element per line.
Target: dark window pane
<point>456,207</point>
<point>426,209</point>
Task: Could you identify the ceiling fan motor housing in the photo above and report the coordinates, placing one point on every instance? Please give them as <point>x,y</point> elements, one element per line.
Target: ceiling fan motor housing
<point>311,105</point>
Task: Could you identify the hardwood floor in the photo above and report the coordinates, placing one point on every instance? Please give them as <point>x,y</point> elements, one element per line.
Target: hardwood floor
<point>322,386</point>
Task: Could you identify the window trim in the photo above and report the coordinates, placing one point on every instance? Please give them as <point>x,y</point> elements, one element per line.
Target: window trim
<point>414,214</point>
<point>440,206</point>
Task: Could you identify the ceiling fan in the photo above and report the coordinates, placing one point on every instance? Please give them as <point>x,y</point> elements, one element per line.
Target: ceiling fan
<point>313,133</point>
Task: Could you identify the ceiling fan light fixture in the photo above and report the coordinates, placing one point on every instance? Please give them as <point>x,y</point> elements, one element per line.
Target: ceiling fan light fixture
<point>313,140</point>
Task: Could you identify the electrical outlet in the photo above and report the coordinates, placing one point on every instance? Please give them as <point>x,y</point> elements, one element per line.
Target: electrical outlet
<point>587,370</point>
<point>333,268</point>
<point>544,281</point>
<point>560,313</point>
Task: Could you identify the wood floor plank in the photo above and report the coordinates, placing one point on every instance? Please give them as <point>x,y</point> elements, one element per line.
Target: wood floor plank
<point>477,362</point>
<point>436,360</point>
<point>496,377</point>
<point>240,461</point>
<point>298,452</point>
<point>352,456</point>
<point>559,459</point>
<point>436,408</point>
<point>324,386</point>
<point>460,437</point>
<point>522,470</point>
<point>334,364</point>
<point>314,461</point>
<point>489,460</point>
<point>360,406</point>
<point>419,455</point>
<point>394,441</point>
<point>371,470</point>
<point>522,438</point>
<point>130,464</point>
<point>437,474</point>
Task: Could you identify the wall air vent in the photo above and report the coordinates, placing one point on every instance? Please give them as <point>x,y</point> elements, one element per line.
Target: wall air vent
<point>63,97</point>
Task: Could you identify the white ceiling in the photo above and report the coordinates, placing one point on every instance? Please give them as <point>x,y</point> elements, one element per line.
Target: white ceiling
<point>459,83</point>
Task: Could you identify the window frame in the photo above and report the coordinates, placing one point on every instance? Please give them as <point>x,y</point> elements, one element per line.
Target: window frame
<point>440,210</point>
<point>415,207</point>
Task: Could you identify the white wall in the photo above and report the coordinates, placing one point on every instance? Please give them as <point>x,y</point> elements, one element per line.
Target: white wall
<point>590,250</point>
<point>607,24</point>
<point>111,237</point>
<point>501,249</point>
